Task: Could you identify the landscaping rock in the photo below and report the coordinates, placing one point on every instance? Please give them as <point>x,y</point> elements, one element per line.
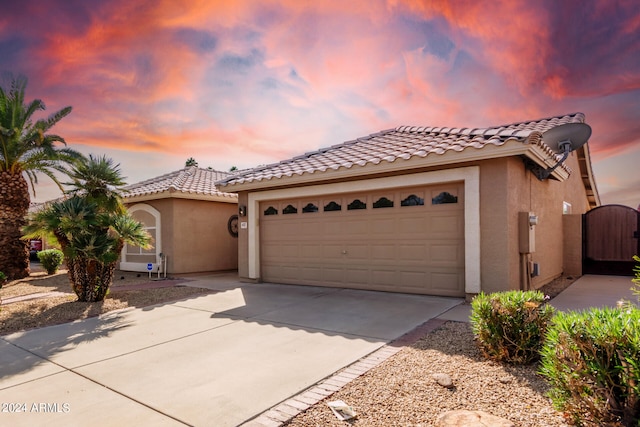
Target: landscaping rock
<point>443,379</point>
<point>505,380</point>
<point>464,418</point>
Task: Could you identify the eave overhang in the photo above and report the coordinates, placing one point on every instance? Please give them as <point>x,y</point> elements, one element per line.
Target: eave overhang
<point>530,148</point>
<point>173,194</point>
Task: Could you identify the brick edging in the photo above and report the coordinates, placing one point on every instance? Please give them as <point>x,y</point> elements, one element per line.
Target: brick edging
<point>286,410</point>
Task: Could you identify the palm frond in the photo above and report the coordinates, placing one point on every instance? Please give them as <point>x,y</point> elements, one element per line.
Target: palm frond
<point>20,137</point>
<point>131,231</point>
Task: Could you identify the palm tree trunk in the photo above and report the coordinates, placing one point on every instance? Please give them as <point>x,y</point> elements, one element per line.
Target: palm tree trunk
<point>14,205</point>
<point>90,279</point>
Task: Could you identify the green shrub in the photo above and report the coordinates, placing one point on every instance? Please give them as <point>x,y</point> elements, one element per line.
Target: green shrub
<point>510,326</point>
<point>51,259</point>
<point>3,278</point>
<point>591,359</point>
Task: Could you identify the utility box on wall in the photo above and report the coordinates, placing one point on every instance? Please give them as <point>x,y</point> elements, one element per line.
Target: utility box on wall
<point>527,222</point>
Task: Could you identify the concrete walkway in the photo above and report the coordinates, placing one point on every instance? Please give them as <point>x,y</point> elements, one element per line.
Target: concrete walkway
<point>595,291</point>
<point>219,359</point>
<point>588,291</point>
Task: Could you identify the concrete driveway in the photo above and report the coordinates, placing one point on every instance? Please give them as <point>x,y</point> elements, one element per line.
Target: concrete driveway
<point>218,359</point>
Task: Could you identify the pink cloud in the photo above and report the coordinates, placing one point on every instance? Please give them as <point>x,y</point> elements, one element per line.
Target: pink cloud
<point>273,79</point>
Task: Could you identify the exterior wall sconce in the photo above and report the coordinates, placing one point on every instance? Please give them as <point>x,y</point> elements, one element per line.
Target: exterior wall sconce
<point>242,210</point>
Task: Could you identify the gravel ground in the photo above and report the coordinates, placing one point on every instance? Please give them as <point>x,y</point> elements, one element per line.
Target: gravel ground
<point>402,392</point>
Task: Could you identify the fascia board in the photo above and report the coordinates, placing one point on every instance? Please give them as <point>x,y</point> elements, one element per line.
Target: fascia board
<point>231,198</point>
<point>584,157</point>
<point>541,157</point>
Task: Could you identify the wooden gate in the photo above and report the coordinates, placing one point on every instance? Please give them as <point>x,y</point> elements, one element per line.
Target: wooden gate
<point>610,240</point>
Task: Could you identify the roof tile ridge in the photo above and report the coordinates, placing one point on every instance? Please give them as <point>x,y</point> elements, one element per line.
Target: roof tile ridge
<point>183,175</point>
<point>212,170</point>
<point>576,115</point>
<point>481,131</point>
<point>153,180</point>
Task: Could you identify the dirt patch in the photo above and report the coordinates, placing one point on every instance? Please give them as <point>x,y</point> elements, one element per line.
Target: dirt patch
<point>129,289</point>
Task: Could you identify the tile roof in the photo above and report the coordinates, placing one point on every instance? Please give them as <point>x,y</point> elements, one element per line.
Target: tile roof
<point>404,143</point>
<point>190,180</point>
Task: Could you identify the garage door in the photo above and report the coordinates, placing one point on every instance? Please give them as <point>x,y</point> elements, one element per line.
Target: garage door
<point>403,240</point>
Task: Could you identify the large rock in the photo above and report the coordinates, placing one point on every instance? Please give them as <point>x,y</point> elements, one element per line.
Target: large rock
<point>464,418</point>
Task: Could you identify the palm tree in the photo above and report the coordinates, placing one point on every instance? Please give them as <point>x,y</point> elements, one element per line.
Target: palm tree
<point>91,227</point>
<point>190,162</point>
<point>25,149</point>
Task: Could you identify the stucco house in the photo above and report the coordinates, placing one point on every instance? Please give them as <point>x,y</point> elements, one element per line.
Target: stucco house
<point>190,219</point>
<point>431,210</point>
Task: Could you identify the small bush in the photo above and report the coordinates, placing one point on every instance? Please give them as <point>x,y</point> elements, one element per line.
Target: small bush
<point>591,359</point>
<point>51,259</point>
<point>3,279</point>
<point>509,326</point>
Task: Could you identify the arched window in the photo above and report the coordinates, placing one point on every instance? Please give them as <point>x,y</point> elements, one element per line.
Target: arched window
<point>134,258</point>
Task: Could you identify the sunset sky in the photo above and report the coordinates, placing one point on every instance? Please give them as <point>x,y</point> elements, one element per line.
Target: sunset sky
<point>244,83</point>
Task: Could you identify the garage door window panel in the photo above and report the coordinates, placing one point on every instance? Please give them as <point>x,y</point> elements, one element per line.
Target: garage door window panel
<point>311,207</point>
<point>413,200</point>
<point>289,210</point>
<point>357,204</point>
<point>332,206</point>
<point>383,202</point>
<point>270,211</point>
<point>445,195</point>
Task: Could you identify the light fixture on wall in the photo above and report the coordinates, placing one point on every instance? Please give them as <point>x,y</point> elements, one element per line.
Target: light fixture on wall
<point>242,210</point>
<point>562,140</point>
